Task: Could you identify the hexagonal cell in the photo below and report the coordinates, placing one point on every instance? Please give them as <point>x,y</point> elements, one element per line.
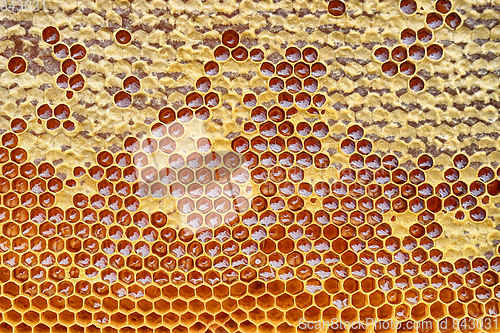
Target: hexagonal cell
<point>42,328</point>
<point>336,8</point>
<point>22,328</point>
<point>135,319</point>
<point>171,319</point>
<point>453,20</point>
<point>456,310</point>
<point>408,7</point>
<point>84,317</point>
<point>434,20</point>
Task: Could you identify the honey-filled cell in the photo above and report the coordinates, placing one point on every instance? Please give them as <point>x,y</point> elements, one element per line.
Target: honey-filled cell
<point>17,65</point>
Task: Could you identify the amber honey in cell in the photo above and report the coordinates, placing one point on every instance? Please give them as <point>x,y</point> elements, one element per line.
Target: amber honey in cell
<point>167,116</point>
<point>416,84</point>
<point>123,37</point>
<point>407,68</point>
<point>276,84</point>
<point>336,8</point>
<point>76,82</point>
<point>18,125</point>
<point>286,100</point>
<point>211,68</point>
<point>399,54</point>
<point>267,69</point>
<point>434,20</point>
<point>408,37</point>
<point>50,35</point>
<point>211,100</point>
<point>78,51</point>
<point>62,111</point>
<point>17,65</point>
<point>309,55</point>
<point>250,100</point>
<point>221,53</point>
<point>319,100</point>
<point>382,54</point>
<point>443,6</point>
<point>390,68</point>
<point>203,84</point>
<point>310,85</point>
<point>19,155</point>
<point>300,69</point>
<point>434,52</point>
<point>69,67</point>
<point>123,99</point>
<point>131,85</point>
<point>293,85</point>
<point>293,54</point>
<point>249,127</point>
<point>416,53</point>
<point>53,124</point>
<point>318,70</point>
<point>453,20</point>
<point>239,54</point>
<point>62,81</point>
<point>230,38</point>
<point>460,161</point>
<point>408,6</point>
<point>256,55</point>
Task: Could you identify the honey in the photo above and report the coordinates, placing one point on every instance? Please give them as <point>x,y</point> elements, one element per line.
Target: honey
<point>17,65</point>
<point>249,174</point>
<point>123,37</point>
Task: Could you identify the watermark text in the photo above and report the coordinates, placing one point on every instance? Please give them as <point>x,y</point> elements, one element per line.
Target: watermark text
<point>468,323</point>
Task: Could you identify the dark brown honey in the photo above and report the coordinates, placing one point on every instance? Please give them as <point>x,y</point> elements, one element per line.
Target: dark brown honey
<point>336,7</point>
<point>17,65</point>
<point>123,37</point>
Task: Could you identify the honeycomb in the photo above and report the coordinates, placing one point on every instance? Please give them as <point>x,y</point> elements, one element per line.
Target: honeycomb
<point>243,166</point>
